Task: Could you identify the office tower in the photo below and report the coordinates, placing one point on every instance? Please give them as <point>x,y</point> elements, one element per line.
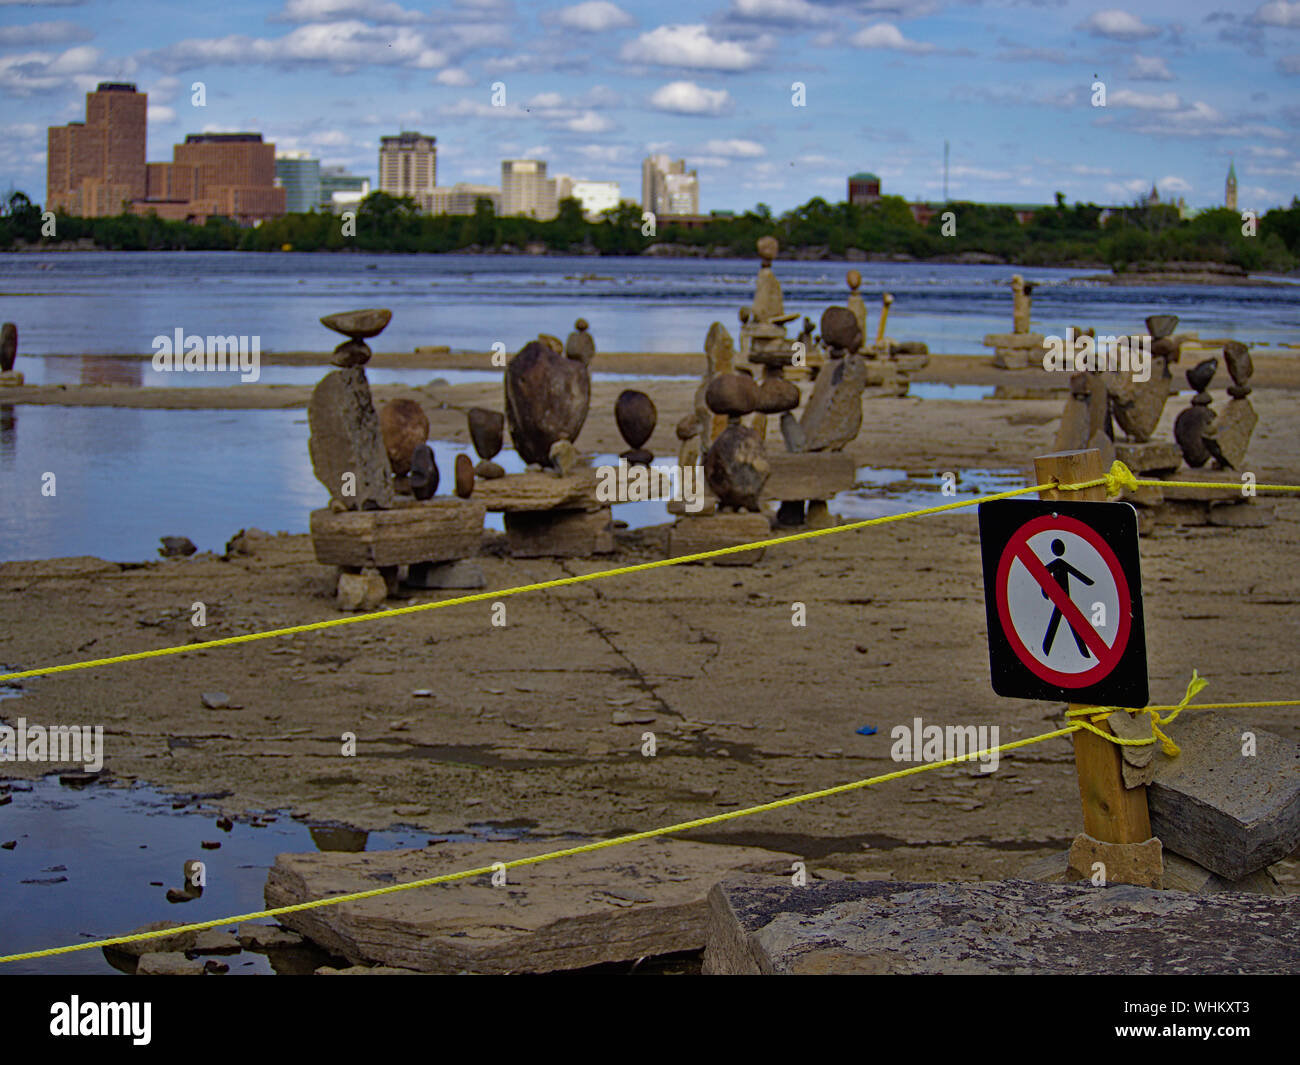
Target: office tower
<point>668,188</point>
<point>408,164</point>
<point>525,189</point>
<point>299,175</point>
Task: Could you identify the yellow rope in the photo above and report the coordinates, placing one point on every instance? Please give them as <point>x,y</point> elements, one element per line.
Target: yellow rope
<point>682,826</point>
<point>559,582</point>
<point>535,859</point>
<point>1100,713</point>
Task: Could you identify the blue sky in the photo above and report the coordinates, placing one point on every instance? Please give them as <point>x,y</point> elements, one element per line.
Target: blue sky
<point>592,87</point>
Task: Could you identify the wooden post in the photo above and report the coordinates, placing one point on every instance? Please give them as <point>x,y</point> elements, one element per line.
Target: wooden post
<point>1112,813</point>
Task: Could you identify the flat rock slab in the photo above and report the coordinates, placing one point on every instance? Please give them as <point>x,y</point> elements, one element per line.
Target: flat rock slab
<point>620,904</point>
<point>539,491</point>
<point>812,475</point>
<point>560,533</point>
<point>1232,813</point>
<point>1150,457</point>
<point>1011,926</point>
<point>437,530</point>
<point>695,533</point>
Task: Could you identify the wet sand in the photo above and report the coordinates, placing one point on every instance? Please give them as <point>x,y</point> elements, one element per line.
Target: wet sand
<point>745,706</point>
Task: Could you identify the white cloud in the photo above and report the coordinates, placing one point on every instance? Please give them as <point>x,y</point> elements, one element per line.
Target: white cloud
<point>1149,68</point>
<point>80,67</point>
<point>329,10</point>
<point>735,148</point>
<point>1145,101</point>
<point>889,37</point>
<point>688,46</point>
<point>781,11</point>
<point>588,122</point>
<point>454,76</point>
<point>1118,26</point>
<point>1278,13</point>
<point>594,16</point>
<point>161,113</point>
<point>38,33</point>
<point>344,44</point>
<point>687,98</point>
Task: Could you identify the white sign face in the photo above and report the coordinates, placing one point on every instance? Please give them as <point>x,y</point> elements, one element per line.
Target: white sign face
<point>1045,631</point>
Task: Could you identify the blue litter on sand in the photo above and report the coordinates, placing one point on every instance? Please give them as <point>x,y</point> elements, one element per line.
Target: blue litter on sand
<point>866,730</point>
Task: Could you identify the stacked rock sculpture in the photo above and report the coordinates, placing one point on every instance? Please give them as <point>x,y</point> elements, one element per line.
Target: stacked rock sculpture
<point>547,395</point>
<point>358,327</point>
<point>404,427</point>
<point>636,416</point>
<point>735,465</point>
<point>487,432</point>
<point>1191,424</point>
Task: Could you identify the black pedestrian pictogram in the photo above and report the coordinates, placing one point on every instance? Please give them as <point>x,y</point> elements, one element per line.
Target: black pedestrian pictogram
<point>1061,572</point>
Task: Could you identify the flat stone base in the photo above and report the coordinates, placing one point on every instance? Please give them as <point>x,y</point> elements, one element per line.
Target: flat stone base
<point>636,900</point>
<point>1150,458</point>
<point>1012,926</point>
<point>691,534</point>
<point>1181,874</point>
<point>809,475</point>
<point>560,533</point>
<point>539,492</point>
<point>12,379</point>
<point>437,530</point>
<point>1236,513</point>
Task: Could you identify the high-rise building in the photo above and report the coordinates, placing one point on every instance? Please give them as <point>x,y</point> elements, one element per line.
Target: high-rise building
<point>1230,188</point>
<point>864,188</point>
<point>668,188</point>
<point>461,199</point>
<point>526,190</point>
<point>341,191</point>
<point>408,164</point>
<point>299,175</point>
<point>595,196</point>
<point>97,167</point>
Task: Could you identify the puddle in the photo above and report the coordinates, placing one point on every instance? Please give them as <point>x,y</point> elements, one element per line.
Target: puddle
<point>88,861</point>
<point>887,491</point>
<point>935,390</point>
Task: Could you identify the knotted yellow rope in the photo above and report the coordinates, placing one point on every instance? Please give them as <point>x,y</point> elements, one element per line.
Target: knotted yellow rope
<point>1100,713</point>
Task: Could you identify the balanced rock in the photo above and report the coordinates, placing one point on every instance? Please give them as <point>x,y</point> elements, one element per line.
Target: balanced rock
<point>840,330</point>
<point>834,412</point>
<point>563,458</point>
<point>404,427</point>
<point>1162,325</point>
<point>547,396</point>
<point>346,446</point>
<point>1189,431</point>
<point>776,394</point>
<point>423,474</point>
<point>636,416</point>
<point>1138,406</point>
<point>732,394</point>
<point>489,470</point>
<point>359,325</point>
<point>1228,435</point>
<point>551,342</point>
<point>8,346</point>
<point>486,430</point>
<point>1200,375</point>
<point>1240,367</point>
<point>736,467</point>
<point>580,344</point>
<point>687,427</point>
<point>464,476</point>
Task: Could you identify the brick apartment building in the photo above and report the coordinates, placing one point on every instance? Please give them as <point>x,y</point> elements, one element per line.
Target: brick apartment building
<point>97,167</point>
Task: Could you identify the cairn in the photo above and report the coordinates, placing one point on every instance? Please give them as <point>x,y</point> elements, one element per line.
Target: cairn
<point>364,460</point>
<point>1020,349</point>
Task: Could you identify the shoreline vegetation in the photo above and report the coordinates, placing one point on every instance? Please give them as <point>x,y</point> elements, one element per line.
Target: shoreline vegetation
<point>1142,243</point>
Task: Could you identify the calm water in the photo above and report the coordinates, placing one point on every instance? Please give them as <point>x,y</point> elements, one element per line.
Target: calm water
<point>106,302</point>
<point>124,477</point>
<point>88,861</point>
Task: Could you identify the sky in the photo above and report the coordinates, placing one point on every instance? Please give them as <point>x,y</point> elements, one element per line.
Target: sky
<point>593,87</point>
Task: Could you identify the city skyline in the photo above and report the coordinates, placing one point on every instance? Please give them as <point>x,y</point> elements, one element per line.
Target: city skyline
<point>593,88</point>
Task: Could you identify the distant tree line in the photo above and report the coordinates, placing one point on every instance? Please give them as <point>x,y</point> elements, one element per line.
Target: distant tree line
<point>1056,234</point>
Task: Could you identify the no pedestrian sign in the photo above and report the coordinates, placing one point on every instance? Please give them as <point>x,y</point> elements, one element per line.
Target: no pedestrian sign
<point>1063,591</point>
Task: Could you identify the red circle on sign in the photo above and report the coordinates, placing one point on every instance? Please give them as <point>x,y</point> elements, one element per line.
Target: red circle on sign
<point>1105,666</point>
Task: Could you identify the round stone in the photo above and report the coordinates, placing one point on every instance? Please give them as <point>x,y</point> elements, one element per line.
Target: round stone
<point>840,329</point>
<point>636,416</point>
<point>736,467</point>
<point>776,394</point>
<point>854,279</point>
<point>688,427</point>
<point>424,473</point>
<point>767,248</point>
<point>732,393</point>
<point>487,431</point>
<point>1200,375</point>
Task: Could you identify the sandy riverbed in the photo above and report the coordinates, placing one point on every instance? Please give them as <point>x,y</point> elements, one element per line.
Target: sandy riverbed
<point>745,706</point>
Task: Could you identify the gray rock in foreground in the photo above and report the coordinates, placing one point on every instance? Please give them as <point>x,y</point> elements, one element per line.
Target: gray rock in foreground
<point>1011,926</point>
<point>630,902</point>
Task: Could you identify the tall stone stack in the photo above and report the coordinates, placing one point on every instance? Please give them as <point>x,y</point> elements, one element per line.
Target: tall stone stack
<point>374,538</point>
<point>1020,349</point>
